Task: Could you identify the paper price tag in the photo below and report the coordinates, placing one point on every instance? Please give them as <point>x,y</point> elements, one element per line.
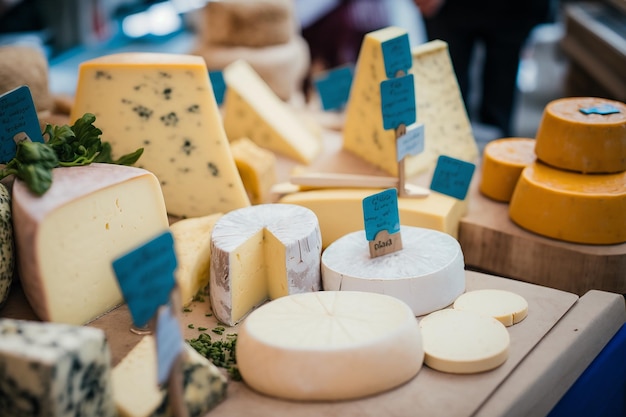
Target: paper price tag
<point>397,55</point>
<point>602,109</point>
<point>411,143</point>
<point>452,177</point>
<point>17,115</point>
<point>146,277</point>
<point>380,212</point>
<point>398,102</point>
<point>169,342</point>
<point>333,86</point>
<point>219,85</point>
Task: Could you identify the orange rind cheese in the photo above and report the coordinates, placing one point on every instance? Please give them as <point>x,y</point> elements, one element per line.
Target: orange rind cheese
<point>568,138</point>
<point>503,162</point>
<point>569,206</point>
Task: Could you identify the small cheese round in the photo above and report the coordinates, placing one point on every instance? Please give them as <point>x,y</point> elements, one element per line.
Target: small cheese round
<point>428,273</point>
<point>463,342</point>
<point>505,306</point>
<point>329,345</point>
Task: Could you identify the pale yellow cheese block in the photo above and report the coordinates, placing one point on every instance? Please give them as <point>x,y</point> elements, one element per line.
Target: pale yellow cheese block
<point>505,306</point>
<point>257,168</point>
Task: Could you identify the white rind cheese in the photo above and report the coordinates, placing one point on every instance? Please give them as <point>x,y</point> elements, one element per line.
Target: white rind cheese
<point>505,306</point>
<point>51,369</point>
<point>262,252</point>
<point>329,345</point>
<point>67,238</point>
<point>428,273</point>
<point>7,250</point>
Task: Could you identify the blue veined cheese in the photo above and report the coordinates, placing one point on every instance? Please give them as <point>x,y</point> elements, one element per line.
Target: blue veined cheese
<point>7,253</point>
<point>54,370</point>
<point>165,104</point>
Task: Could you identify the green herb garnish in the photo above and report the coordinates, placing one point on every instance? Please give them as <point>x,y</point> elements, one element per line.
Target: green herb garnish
<point>220,352</point>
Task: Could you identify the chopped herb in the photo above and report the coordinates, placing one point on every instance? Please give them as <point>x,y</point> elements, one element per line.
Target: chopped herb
<point>187,310</point>
<point>190,325</point>
<point>218,330</point>
<point>198,297</point>
<point>220,352</point>
<point>208,314</point>
<point>201,329</point>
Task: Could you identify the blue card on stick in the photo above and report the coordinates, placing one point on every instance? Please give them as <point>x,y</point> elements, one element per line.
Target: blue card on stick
<point>452,177</point>
<point>397,55</point>
<point>219,85</point>
<point>17,115</point>
<point>333,87</point>
<point>411,143</point>
<point>169,342</point>
<point>380,212</point>
<point>398,102</point>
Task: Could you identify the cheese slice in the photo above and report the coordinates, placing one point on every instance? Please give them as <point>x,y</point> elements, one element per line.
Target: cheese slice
<point>589,143</point>
<point>67,238</point>
<point>164,103</point>
<point>53,369</point>
<point>463,342</point>
<point>572,207</point>
<point>192,243</point>
<point>439,106</point>
<point>137,394</point>
<point>502,164</point>
<point>428,273</point>
<point>7,251</point>
<point>262,252</point>
<point>340,211</point>
<point>505,306</point>
<point>257,168</point>
<point>329,345</point>
<point>252,110</point>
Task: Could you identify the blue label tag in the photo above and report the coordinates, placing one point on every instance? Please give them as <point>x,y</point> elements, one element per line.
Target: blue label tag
<point>219,85</point>
<point>452,177</point>
<point>17,115</point>
<point>146,277</point>
<point>397,55</point>
<point>380,212</point>
<point>602,109</point>
<point>169,342</point>
<point>411,143</point>
<point>397,97</point>
<point>333,87</point>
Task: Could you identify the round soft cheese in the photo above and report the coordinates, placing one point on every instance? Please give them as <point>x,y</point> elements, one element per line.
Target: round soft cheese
<point>427,273</point>
<point>574,136</point>
<point>329,345</point>
<point>463,342</point>
<point>505,306</point>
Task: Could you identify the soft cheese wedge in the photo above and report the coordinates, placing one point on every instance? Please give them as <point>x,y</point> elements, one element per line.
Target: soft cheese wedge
<point>257,168</point>
<point>252,110</point>
<point>165,104</point>
<point>67,238</point>
<point>329,345</point>
<point>262,252</point>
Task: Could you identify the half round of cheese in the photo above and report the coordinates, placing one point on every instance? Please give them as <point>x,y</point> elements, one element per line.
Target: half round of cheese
<point>505,306</point>
<point>568,206</point>
<point>329,345</point>
<point>503,162</point>
<point>260,252</point>
<point>571,139</point>
<point>427,273</point>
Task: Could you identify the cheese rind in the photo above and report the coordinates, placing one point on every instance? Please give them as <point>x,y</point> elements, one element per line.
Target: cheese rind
<point>505,306</point>
<point>257,168</point>
<point>329,345</point>
<point>262,252</point>
<point>7,249</point>
<point>67,238</point>
<point>428,273</point>
<point>165,104</point>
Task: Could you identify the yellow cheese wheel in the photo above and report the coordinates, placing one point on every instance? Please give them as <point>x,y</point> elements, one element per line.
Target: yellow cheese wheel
<point>503,162</point>
<point>568,138</point>
<point>569,206</point>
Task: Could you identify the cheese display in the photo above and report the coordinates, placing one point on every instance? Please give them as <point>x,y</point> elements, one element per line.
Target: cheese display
<point>428,273</point>
<point>257,168</point>
<point>505,306</point>
<point>192,244</point>
<point>575,134</point>
<point>137,394</point>
<point>7,251</point>
<point>52,369</point>
<point>164,103</point>
<point>262,252</point>
<point>329,345</point>
<point>340,211</point>
<point>253,111</point>
<point>263,33</point>
<point>502,164</point>
<point>570,206</point>
<point>463,342</point>
<point>67,238</point>
<point>439,107</point>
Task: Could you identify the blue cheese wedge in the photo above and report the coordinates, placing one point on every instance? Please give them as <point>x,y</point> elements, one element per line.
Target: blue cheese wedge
<point>7,254</point>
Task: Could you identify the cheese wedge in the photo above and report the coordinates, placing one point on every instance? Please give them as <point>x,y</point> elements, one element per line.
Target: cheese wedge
<point>568,206</point>
<point>164,103</point>
<point>340,211</point>
<point>257,168</point>
<point>428,273</point>
<point>329,345</point>
<point>505,306</point>
<point>252,110</point>
<point>7,251</point>
<point>262,252</point>
<point>568,138</point>
<point>67,238</point>
<point>502,164</point>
